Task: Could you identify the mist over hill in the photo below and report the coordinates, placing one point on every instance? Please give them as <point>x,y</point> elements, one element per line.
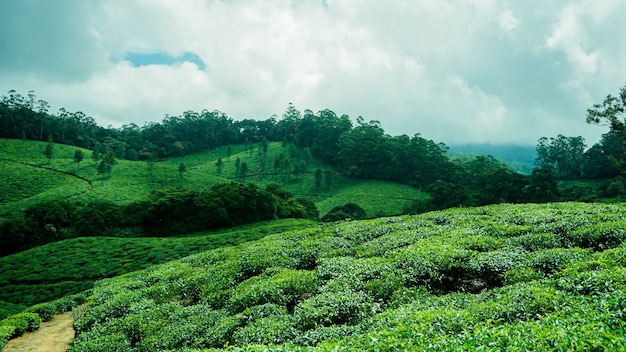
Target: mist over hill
<point>520,158</point>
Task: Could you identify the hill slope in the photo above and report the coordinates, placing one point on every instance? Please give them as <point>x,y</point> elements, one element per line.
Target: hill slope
<point>28,178</point>
<point>527,277</point>
<point>67,267</point>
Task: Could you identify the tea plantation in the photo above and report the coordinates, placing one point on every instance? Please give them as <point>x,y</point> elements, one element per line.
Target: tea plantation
<point>495,278</point>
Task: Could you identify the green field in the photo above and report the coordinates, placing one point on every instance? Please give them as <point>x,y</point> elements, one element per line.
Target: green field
<point>501,277</point>
<point>28,178</point>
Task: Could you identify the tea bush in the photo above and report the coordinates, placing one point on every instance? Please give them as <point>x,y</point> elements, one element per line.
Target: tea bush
<point>506,277</point>
<point>267,331</point>
<point>440,267</point>
<point>490,267</point>
<point>49,309</point>
<point>543,240</point>
<point>6,332</point>
<point>334,308</point>
<point>600,236</point>
<point>549,261</point>
<point>285,287</point>
<point>21,323</point>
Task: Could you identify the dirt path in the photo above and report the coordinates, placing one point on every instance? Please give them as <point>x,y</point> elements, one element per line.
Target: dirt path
<point>53,336</point>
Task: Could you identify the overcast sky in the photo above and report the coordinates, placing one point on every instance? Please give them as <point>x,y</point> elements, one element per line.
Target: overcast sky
<point>466,71</point>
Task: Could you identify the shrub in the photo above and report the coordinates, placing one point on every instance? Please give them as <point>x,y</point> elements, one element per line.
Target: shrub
<point>348,211</point>
<point>549,261</point>
<point>519,274</point>
<point>257,257</point>
<point>324,333</point>
<point>49,309</point>
<point>481,243</point>
<point>280,286</point>
<point>594,282</point>
<point>506,230</point>
<point>266,331</point>
<point>440,268</point>
<point>110,343</point>
<point>22,322</point>
<point>6,332</point>
<point>334,308</point>
<point>491,267</point>
<point>7,309</point>
<point>535,241</point>
<point>521,302</point>
<point>600,236</point>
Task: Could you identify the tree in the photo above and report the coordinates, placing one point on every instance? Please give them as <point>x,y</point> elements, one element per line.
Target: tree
<point>102,169</point>
<point>243,170</point>
<point>150,160</point>
<point>219,164</point>
<point>181,169</point>
<point>542,187</point>
<point>318,178</point>
<point>604,160</point>
<point>49,151</point>
<point>348,211</point>
<point>95,154</point>
<point>78,157</point>
<point>237,166</point>
<point>328,178</point>
<point>445,195</point>
<point>564,156</point>
<point>612,113</point>
<point>109,161</point>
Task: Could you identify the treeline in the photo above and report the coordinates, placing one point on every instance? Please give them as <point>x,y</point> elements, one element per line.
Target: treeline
<point>361,150</point>
<point>165,212</point>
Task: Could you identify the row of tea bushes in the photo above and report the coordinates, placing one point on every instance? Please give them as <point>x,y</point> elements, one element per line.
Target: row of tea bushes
<point>502,277</point>
<point>31,318</point>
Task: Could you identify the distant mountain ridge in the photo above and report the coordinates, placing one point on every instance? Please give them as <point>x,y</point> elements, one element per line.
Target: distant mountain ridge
<point>520,158</point>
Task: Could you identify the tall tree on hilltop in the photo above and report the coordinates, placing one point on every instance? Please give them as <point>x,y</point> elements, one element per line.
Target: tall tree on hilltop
<point>181,170</point>
<point>78,157</point>
<point>219,164</point>
<point>109,160</point>
<point>318,178</point>
<point>49,151</point>
<point>243,170</point>
<point>612,113</point>
<point>564,156</point>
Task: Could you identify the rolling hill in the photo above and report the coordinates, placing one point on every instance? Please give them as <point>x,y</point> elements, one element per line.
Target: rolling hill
<point>499,277</point>
<point>502,277</point>
<point>28,178</point>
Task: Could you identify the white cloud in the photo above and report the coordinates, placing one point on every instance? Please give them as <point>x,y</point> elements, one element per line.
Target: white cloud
<point>507,21</point>
<point>481,71</point>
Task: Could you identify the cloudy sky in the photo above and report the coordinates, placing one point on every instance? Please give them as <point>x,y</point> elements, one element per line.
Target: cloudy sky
<point>464,71</point>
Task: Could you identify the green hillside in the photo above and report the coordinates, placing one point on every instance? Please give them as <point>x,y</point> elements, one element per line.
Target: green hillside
<point>66,267</point>
<point>28,178</point>
<point>501,277</point>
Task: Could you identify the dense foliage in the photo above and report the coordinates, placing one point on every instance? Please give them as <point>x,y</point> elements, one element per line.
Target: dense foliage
<point>30,320</point>
<point>503,277</point>
<point>362,150</point>
<point>70,266</point>
<point>165,212</point>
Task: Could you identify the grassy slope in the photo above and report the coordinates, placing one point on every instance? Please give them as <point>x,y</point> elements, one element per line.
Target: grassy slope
<point>24,185</point>
<point>57,269</point>
<point>502,277</point>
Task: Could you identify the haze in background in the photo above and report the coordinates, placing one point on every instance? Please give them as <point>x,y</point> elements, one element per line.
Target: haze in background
<point>454,71</point>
